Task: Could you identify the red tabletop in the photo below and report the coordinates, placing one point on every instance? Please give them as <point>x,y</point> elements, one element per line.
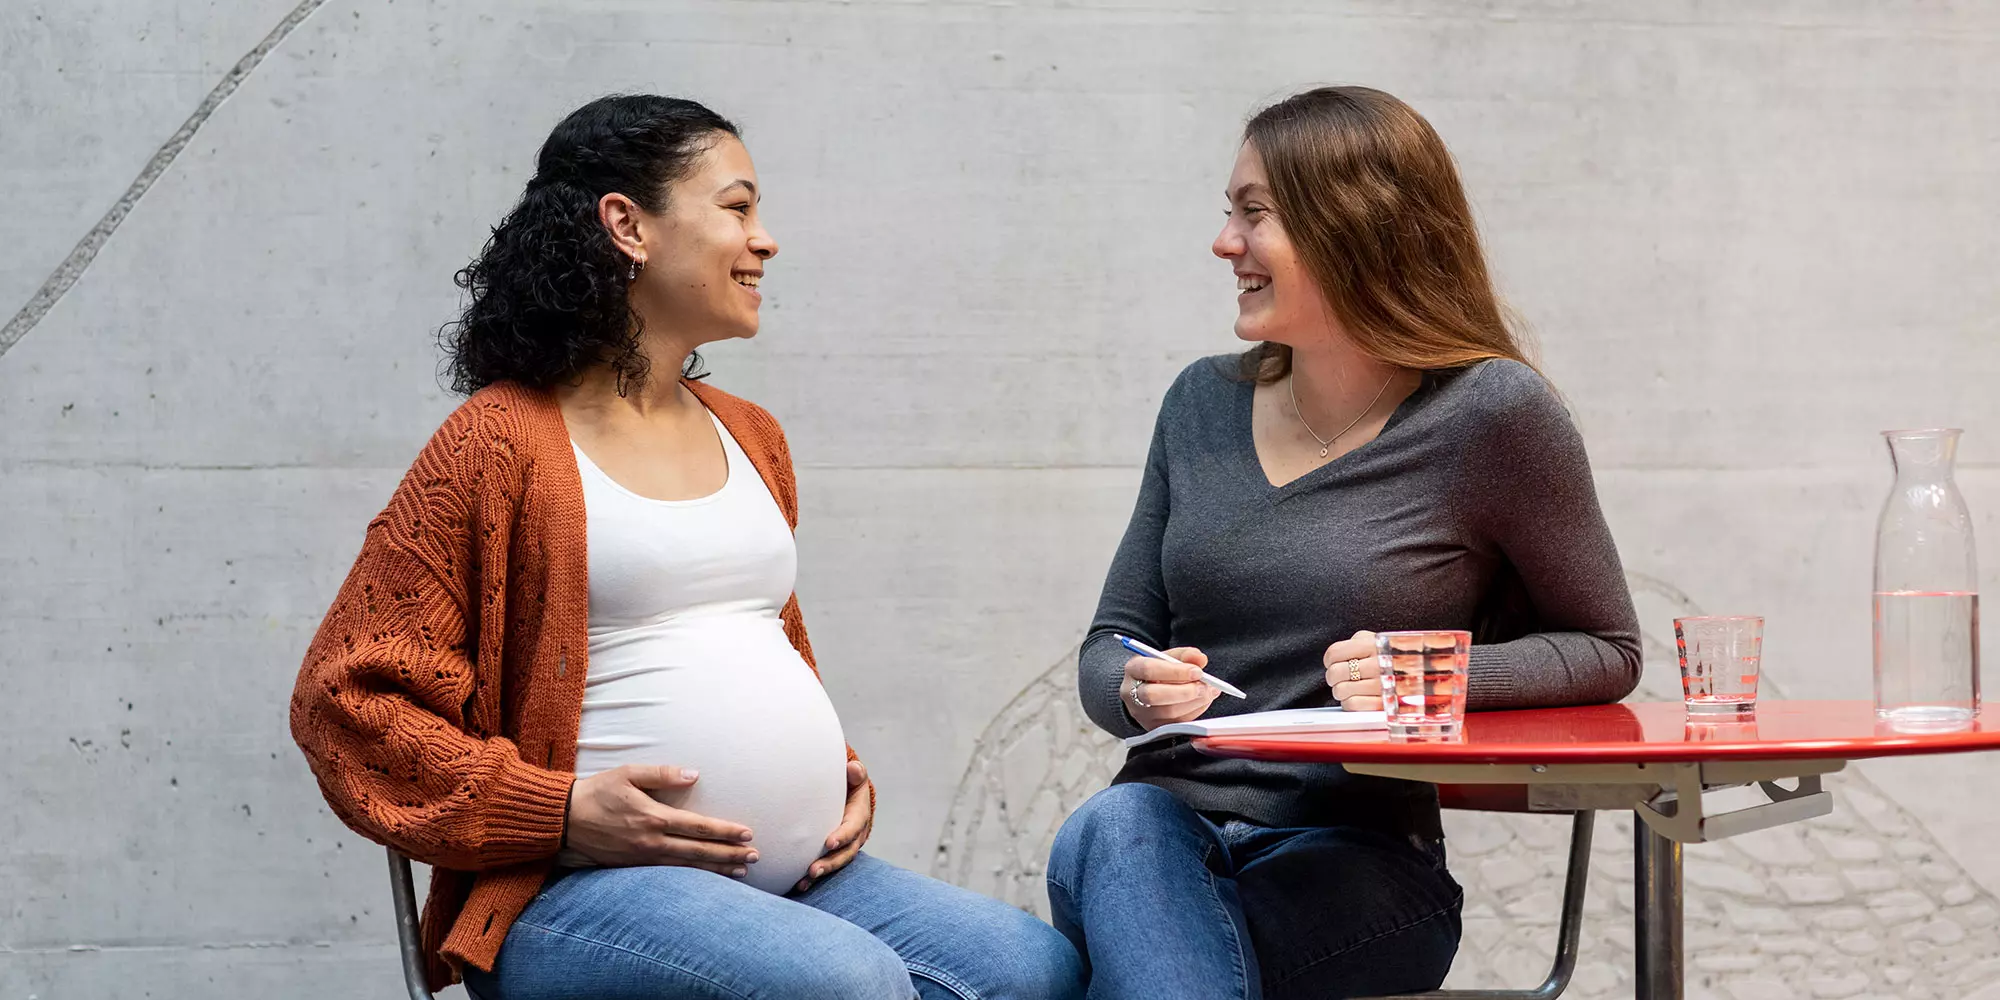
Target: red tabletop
<point>1651,732</point>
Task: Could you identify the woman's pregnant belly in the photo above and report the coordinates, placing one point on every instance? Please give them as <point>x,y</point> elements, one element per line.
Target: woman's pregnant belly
<point>729,697</point>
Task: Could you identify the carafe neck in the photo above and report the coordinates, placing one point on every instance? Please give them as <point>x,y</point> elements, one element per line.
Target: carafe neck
<point>1923,456</point>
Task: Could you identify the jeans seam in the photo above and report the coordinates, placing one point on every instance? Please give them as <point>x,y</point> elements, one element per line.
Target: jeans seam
<point>942,978</point>
<point>1051,878</point>
<point>640,955</point>
<point>1235,933</point>
<point>1371,939</point>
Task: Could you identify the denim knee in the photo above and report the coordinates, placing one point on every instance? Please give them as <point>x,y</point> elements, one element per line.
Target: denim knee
<point>868,970</point>
<point>1041,963</point>
<point>1061,968</point>
<point>1115,818</point>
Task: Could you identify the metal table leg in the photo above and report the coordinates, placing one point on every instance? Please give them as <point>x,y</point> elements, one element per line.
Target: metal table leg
<point>1656,915</point>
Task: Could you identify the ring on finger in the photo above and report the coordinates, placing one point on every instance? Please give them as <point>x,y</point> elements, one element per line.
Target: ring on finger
<point>1354,669</point>
<point>1134,693</point>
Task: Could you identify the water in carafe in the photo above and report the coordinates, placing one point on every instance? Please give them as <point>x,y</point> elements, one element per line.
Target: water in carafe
<point>1926,605</point>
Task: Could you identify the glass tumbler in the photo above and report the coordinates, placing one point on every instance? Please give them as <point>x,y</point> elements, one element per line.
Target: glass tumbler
<point>1720,657</point>
<point>1423,680</point>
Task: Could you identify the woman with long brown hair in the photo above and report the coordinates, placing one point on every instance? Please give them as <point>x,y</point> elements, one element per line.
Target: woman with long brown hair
<point>1384,457</point>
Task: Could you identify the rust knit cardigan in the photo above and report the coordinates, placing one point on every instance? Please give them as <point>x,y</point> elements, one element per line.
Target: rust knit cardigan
<point>438,705</point>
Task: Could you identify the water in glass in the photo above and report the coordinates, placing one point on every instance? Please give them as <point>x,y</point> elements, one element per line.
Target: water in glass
<point>1423,680</point>
<point>1927,657</point>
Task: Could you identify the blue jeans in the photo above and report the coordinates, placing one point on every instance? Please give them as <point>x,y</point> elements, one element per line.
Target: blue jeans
<point>871,931</point>
<point>1164,903</point>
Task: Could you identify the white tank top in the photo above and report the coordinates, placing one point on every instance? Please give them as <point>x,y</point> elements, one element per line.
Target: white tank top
<point>689,664</point>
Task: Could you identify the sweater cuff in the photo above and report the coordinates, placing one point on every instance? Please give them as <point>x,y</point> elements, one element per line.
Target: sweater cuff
<point>855,757</point>
<point>525,810</point>
<point>1124,710</point>
<point>1489,680</point>
<point>1110,711</point>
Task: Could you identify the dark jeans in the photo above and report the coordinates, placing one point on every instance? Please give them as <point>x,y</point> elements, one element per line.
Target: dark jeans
<point>1163,903</point>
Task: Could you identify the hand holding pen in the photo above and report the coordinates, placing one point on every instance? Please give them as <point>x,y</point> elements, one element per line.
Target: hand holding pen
<point>1162,688</point>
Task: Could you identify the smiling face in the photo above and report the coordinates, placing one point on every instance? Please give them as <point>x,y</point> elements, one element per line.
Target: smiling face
<point>705,251</point>
<point>1277,299</point>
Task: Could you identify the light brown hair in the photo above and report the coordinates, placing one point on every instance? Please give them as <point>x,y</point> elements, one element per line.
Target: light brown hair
<point>1369,196</point>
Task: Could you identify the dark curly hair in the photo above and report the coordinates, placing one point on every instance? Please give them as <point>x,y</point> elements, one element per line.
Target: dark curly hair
<point>548,290</point>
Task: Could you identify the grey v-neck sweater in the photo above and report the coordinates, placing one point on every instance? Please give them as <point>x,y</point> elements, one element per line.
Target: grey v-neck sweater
<point>1473,509</point>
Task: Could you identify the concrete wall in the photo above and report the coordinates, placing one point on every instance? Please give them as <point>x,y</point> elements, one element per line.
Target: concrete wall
<point>1748,236</point>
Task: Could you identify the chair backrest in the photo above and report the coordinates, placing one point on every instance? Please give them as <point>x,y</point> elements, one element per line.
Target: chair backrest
<point>402,890</point>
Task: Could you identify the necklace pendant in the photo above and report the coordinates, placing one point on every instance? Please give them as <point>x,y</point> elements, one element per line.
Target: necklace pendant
<point>1323,451</point>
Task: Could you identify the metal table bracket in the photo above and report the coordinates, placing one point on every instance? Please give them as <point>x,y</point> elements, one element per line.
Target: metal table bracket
<point>1666,797</point>
<point>1677,811</point>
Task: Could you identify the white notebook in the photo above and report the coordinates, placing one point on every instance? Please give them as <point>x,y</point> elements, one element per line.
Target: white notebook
<point>1290,720</point>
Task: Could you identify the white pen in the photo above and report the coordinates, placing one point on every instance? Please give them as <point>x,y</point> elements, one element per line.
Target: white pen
<point>1205,677</point>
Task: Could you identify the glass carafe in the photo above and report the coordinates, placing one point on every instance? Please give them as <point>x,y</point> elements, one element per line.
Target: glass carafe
<point>1926,590</point>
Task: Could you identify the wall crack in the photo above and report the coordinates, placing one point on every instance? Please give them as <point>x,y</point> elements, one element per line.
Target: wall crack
<point>79,259</point>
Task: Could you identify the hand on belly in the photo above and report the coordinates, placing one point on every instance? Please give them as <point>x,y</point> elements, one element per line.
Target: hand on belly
<point>770,841</point>
<point>790,803</point>
<point>776,764</point>
<point>748,715</point>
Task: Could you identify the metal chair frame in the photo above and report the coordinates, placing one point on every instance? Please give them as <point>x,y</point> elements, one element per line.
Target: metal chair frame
<point>1569,930</point>
<point>402,888</point>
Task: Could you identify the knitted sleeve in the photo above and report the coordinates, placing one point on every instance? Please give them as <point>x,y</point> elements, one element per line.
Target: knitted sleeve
<point>1534,498</point>
<point>379,707</point>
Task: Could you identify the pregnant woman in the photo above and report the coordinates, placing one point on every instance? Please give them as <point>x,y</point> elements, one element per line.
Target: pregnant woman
<point>1383,458</point>
<point>567,669</point>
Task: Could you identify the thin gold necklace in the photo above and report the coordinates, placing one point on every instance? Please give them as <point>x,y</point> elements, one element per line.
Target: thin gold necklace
<point>1326,444</point>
